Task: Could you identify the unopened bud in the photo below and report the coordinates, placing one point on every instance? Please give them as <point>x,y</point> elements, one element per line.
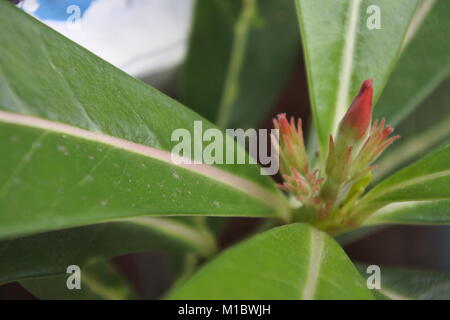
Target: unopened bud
<point>291,149</point>
<point>356,121</point>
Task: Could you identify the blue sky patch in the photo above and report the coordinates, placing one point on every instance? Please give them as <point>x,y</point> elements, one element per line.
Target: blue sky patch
<point>56,9</point>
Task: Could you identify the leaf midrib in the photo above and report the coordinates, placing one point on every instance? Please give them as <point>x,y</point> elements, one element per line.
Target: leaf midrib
<point>418,18</point>
<point>230,87</point>
<point>418,180</point>
<point>315,262</point>
<point>248,187</point>
<point>346,71</point>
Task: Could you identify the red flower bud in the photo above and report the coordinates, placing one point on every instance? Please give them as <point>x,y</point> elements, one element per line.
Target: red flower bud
<point>328,200</point>
<point>357,120</point>
<point>291,146</point>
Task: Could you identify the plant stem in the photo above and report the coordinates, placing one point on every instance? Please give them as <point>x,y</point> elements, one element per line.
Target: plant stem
<point>230,89</point>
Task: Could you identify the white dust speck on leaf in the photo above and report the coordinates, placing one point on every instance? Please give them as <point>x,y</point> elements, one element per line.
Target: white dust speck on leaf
<point>36,145</point>
<point>176,175</point>
<point>62,149</point>
<point>91,157</point>
<point>103,203</point>
<point>216,204</point>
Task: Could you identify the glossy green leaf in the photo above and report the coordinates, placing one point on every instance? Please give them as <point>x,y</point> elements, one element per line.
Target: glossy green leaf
<point>424,64</point>
<point>98,281</point>
<point>420,132</point>
<point>85,143</point>
<point>290,262</point>
<point>50,253</point>
<point>342,51</point>
<point>409,284</point>
<point>427,179</point>
<point>430,212</point>
<point>241,53</point>
<point>357,234</point>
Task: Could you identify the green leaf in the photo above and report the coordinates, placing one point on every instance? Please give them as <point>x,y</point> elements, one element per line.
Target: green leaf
<point>50,253</point>
<point>349,237</point>
<point>240,55</point>
<point>417,194</point>
<point>427,179</point>
<point>341,52</point>
<point>424,64</point>
<point>420,132</point>
<point>290,262</point>
<point>99,281</point>
<point>409,284</point>
<point>430,212</point>
<point>85,143</point>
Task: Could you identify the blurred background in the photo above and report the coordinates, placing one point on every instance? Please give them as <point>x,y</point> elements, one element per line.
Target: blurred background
<point>150,40</point>
<point>147,39</point>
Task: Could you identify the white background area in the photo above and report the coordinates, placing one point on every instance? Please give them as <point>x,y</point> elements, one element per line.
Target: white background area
<point>141,37</point>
